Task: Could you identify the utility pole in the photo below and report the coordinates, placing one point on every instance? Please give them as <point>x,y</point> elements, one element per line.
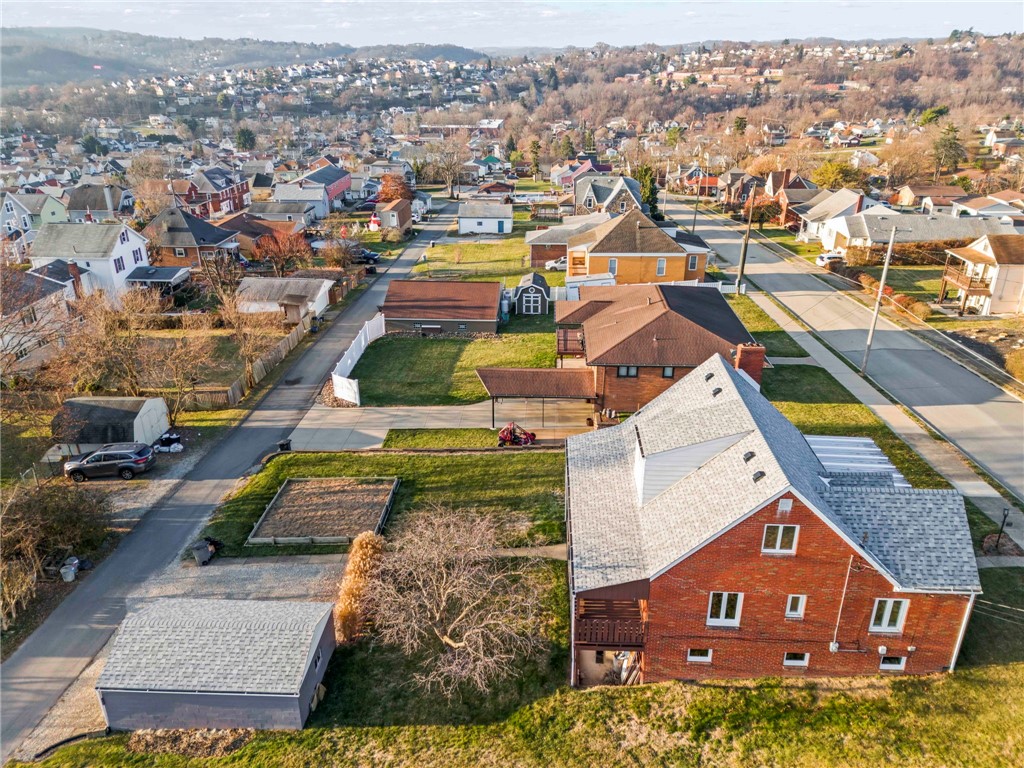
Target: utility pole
<point>696,205</point>
<point>746,242</point>
<point>878,299</point>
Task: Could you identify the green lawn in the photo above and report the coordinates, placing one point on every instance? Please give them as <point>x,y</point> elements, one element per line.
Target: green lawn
<point>502,260</point>
<point>525,184</point>
<point>524,490</point>
<point>788,240</point>
<point>370,717</point>
<point>412,370</point>
<point>918,282</point>
<point>441,438</point>
<point>763,328</point>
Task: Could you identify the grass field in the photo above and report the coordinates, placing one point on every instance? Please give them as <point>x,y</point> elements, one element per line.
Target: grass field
<point>526,184</point>
<point>788,240</point>
<point>765,330</point>
<point>410,370</point>
<point>524,491</point>
<point>441,438</point>
<point>918,282</point>
<point>502,260</point>
<point>370,717</point>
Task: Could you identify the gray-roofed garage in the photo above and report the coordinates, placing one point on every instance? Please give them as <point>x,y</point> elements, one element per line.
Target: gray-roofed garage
<point>190,663</point>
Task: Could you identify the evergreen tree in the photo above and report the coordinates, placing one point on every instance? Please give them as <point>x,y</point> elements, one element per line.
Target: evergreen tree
<point>948,150</point>
<point>535,157</point>
<point>739,125</point>
<point>510,144</point>
<point>648,180</point>
<point>245,140</point>
<point>567,147</point>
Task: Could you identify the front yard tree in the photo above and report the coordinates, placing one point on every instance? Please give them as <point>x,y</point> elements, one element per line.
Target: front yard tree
<point>254,333</point>
<point>836,174</point>
<point>648,180</point>
<point>443,595</point>
<point>245,140</point>
<point>948,151</point>
<point>535,158</point>
<point>451,155</point>
<point>394,187</point>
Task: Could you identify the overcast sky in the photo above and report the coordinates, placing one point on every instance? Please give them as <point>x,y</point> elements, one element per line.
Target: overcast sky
<point>502,23</point>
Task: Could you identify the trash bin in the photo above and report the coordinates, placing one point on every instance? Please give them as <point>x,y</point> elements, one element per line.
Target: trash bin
<point>73,563</point>
<point>68,573</point>
<point>203,553</point>
<point>284,445</point>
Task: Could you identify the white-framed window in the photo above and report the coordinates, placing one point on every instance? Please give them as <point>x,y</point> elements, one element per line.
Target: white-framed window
<point>795,606</point>
<point>123,237</point>
<point>136,255</point>
<point>531,303</point>
<point>28,316</point>
<point>888,615</point>
<point>118,264</point>
<point>699,655</point>
<point>785,505</point>
<point>780,539</point>
<point>417,325</point>
<point>724,609</point>
<point>462,326</point>
<point>613,266</point>
<point>179,252</point>
<point>9,206</point>
<point>795,659</point>
<point>25,223</point>
<point>668,372</point>
<point>622,206</point>
<point>692,266</point>
<point>589,202</point>
<point>893,663</point>
<point>662,264</point>
<point>627,372</point>
<point>21,353</point>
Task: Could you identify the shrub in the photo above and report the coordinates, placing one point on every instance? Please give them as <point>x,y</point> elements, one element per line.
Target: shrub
<point>921,310</point>
<point>391,235</point>
<point>902,301</point>
<point>868,283</point>
<point>363,559</point>
<point>1015,364</point>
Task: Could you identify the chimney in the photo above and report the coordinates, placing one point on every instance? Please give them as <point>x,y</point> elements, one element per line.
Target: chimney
<point>750,359</point>
<point>787,176</point>
<point>76,278</point>
<point>860,203</point>
<point>108,198</point>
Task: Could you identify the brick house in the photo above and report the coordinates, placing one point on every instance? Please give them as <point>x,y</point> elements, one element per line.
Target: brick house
<point>213,191</point>
<point>633,249</point>
<point>708,539</point>
<point>640,340</point>
<point>179,239</point>
<point>552,242</point>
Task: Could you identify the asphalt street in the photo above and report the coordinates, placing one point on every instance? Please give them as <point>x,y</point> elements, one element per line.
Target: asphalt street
<point>36,675</point>
<point>982,420</point>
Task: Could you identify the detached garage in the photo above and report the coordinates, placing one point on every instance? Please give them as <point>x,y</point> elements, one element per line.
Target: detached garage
<point>485,218</point>
<point>187,663</point>
<point>97,421</point>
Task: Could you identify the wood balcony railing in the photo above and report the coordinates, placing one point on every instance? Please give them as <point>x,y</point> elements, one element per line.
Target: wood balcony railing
<point>965,282</point>
<point>570,341</point>
<point>610,633</point>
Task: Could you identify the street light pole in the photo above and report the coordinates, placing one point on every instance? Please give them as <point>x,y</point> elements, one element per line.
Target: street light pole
<point>878,301</point>
<point>746,242</point>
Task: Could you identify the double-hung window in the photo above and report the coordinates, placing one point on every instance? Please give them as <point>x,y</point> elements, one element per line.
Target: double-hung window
<point>795,606</point>
<point>668,372</point>
<point>119,264</point>
<point>662,264</point>
<point>724,609</point>
<point>692,266</point>
<point>780,539</point>
<point>888,615</point>
<point>613,266</point>
<point>628,372</point>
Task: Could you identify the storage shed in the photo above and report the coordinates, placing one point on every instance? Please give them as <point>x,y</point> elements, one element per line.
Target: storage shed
<point>485,218</point>
<point>193,663</point>
<point>532,296</point>
<point>85,421</point>
<point>441,306</point>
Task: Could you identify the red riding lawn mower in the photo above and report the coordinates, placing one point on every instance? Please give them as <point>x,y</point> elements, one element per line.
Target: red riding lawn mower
<point>513,434</point>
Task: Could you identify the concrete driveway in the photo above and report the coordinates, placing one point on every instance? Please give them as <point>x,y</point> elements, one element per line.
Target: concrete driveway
<point>982,420</point>
<point>338,429</point>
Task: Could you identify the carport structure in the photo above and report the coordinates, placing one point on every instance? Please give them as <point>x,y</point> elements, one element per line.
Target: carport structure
<point>537,384</point>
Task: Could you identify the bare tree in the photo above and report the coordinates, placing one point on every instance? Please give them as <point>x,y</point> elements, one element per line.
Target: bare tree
<point>221,274</point>
<point>283,252</point>
<point>254,333</point>
<point>449,157</point>
<point>905,158</point>
<point>178,366</point>
<point>442,593</point>
<point>147,177</point>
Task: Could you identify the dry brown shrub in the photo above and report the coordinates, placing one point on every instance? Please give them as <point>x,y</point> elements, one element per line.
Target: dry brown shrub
<point>349,611</point>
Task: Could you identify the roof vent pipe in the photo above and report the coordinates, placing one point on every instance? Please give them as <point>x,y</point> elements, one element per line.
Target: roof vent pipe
<point>758,476</point>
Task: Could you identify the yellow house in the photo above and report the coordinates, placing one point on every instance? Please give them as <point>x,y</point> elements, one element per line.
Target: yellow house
<point>635,250</point>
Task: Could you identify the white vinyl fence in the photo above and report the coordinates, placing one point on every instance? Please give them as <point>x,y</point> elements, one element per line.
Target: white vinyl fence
<point>344,387</point>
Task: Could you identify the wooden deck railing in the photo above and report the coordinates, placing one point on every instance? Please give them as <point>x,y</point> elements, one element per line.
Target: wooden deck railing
<point>967,282</point>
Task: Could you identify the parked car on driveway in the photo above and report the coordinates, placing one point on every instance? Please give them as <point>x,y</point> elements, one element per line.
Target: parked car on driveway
<point>124,460</point>
<point>367,206</point>
<point>366,256</point>
<point>557,265</point>
<point>824,259</point>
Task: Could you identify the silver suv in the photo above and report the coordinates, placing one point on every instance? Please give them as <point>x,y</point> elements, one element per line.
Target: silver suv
<point>124,460</point>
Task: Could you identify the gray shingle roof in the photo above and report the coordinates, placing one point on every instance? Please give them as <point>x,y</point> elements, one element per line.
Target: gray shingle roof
<point>922,228</point>
<point>485,211</point>
<point>686,450</point>
<point>215,646</point>
<point>175,228</point>
<point>63,240</point>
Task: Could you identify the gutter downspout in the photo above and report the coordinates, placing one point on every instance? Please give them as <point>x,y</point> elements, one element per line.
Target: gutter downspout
<point>963,631</point>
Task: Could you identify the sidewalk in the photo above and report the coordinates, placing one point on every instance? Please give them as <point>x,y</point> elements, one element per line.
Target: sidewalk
<point>939,454</point>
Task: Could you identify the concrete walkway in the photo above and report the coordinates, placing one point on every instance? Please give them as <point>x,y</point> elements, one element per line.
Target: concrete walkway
<point>1000,561</point>
<point>349,429</point>
<point>939,454</point>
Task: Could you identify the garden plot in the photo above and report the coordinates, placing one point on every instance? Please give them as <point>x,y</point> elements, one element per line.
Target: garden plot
<point>332,510</point>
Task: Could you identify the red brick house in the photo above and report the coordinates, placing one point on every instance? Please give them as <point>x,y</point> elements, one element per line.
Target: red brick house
<point>213,191</point>
<point>708,539</point>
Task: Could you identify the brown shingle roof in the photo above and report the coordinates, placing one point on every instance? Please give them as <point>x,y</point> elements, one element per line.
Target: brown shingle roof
<point>441,300</point>
<point>630,233</point>
<point>562,383</point>
<point>659,325</point>
<point>1006,249</point>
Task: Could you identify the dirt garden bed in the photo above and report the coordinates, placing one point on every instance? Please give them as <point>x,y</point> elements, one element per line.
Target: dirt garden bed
<point>331,510</point>
<point>197,743</point>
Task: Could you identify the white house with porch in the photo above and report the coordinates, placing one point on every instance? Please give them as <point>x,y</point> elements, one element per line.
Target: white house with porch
<point>987,275</point>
